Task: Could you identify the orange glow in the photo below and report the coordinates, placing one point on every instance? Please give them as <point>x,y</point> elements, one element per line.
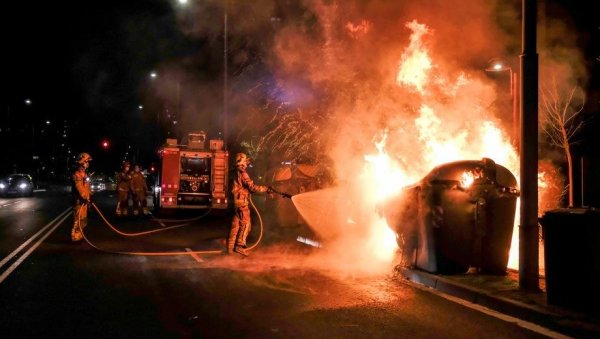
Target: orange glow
<point>357,30</point>
<point>467,179</point>
<point>420,113</point>
<point>415,62</point>
<point>439,139</point>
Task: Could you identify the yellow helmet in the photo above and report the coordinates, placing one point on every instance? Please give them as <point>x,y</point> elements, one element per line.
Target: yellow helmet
<point>83,158</point>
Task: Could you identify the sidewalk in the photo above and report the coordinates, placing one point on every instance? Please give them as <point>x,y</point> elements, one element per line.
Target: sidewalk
<point>502,294</point>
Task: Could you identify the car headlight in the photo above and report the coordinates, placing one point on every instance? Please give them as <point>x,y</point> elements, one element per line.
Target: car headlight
<point>157,189</point>
<point>2,186</point>
<point>23,185</point>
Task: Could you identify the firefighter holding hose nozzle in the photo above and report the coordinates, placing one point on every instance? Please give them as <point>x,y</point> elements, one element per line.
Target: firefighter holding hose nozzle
<point>242,187</point>
<point>80,189</point>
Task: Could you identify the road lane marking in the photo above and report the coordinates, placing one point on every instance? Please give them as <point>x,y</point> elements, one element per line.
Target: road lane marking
<point>10,256</point>
<point>194,255</point>
<point>30,250</point>
<point>504,317</point>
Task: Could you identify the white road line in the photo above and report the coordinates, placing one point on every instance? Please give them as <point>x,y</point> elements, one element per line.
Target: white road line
<point>30,250</point>
<point>10,256</point>
<point>510,319</point>
<point>194,255</point>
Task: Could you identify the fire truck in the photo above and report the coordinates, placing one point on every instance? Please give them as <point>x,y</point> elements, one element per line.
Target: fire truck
<point>192,176</point>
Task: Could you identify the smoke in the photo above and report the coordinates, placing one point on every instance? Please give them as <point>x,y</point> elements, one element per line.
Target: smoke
<point>407,76</point>
<point>394,72</point>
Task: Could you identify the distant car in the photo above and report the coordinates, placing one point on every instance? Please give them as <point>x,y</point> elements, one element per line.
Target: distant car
<point>97,185</point>
<point>17,184</point>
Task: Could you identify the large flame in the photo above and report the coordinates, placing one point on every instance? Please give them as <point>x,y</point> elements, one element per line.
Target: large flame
<point>474,139</point>
<point>415,62</point>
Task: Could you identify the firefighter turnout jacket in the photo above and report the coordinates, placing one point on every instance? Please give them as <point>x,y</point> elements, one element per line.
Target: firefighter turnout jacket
<point>243,186</point>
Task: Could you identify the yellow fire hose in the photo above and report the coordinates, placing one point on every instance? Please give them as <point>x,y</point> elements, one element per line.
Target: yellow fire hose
<point>159,230</point>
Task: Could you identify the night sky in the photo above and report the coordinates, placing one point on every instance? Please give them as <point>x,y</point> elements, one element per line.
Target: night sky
<point>88,63</point>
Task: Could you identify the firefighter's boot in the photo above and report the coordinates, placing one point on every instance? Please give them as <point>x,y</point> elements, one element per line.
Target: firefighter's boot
<point>136,212</point>
<point>244,230</point>
<point>240,244</point>
<point>145,210</point>
<point>241,250</point>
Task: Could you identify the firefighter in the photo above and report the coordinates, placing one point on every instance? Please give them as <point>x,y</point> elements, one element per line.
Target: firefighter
<point>80,189</point>
<point>123,188</point>
<point>242,187</point>
<point>139,188</point>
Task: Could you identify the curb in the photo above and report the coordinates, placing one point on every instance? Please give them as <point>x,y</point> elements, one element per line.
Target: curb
<point>558,321</point>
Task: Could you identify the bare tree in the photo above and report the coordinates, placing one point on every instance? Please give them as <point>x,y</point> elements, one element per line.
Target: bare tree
<point>293,135</point>
<point>561,122</point>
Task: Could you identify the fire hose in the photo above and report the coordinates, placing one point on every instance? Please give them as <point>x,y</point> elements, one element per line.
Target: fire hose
<point>159,230</point>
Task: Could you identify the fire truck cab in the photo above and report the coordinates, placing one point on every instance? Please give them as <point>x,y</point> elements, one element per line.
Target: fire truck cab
<point>192,176</point>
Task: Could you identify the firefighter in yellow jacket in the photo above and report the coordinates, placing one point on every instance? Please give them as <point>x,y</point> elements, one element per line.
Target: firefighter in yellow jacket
<point>80,189</point>
<point>123,188</point>
<point>139,188</point>
<point>242,187</point>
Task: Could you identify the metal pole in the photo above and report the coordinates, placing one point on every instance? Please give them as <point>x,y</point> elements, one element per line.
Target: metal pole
<point>528,228</point>
<point>581,163</point>
<point>178,114</point>
<point>225,102</point>
<point>515,91</point>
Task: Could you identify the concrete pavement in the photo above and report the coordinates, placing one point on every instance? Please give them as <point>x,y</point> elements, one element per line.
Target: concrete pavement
<point>502,294</point>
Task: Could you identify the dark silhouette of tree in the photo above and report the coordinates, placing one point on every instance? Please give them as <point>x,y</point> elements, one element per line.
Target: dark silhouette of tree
<point>561,121</point>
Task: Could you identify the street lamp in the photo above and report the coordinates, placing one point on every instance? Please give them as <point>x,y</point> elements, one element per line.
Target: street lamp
<point>177,111</point>
<point>496,65</point>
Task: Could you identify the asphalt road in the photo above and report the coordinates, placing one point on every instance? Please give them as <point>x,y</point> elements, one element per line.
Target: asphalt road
<point>51,287</point>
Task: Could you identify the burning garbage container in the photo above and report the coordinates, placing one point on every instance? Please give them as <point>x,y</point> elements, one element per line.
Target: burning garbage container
<point>460,215</point>
<point>572,257</point>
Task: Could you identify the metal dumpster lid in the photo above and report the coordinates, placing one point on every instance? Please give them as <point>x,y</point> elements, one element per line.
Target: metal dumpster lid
<point>454,171</point>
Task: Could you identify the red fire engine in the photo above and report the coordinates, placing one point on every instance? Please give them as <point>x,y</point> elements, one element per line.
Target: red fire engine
<point>191,176</point>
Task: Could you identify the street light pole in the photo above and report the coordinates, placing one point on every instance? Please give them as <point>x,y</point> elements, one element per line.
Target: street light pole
<point>515,118</point>
<point>225,71</point>
<point>498,66</point>
<point>528,228</point>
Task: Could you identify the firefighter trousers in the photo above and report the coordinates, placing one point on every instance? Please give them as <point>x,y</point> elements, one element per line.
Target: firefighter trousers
<point>80,211</point>
<point>139,201</point>
<point>240,228</point>
<point>122,202</point>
